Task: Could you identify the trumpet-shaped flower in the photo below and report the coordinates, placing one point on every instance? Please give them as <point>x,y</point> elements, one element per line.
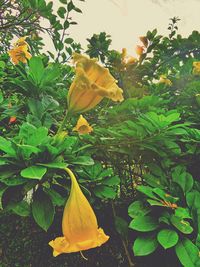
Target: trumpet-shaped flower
<point>19,54</point>
<point>82,126</point>
<point>91,84</point>
<point>79,224</point>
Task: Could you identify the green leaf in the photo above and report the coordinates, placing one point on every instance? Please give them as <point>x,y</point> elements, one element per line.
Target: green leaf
<point>145,245</point>
<point>54,165</point>
<point>21,208</point>
<point>61,12</point>
<point>38,137</point>
<point>183,179</point>
<point>6,147</point>
<point>121,226</point>
<point>144,224</point>
<point>111,181</point>
<point>83,160</point>
<point>13,181</point>
<point>69,40</point>
<point>167,238</point>
<point>2,190</point>
<point>182,225</point>
<point>36,69</point>
<point>1,97</point>
<point>70,6</point>
<point>187,253</point>
<point>56,198</point>
<point>42,209</point>
<point>104,192</point>
<point>182,213</point>
<point>34,172</point>
<point>137,208</point>
<point>148,191</point>
<point>193,199</point>
<point>2,64</point>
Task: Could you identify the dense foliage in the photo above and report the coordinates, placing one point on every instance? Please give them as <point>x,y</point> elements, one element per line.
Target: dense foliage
<point>142,155</point>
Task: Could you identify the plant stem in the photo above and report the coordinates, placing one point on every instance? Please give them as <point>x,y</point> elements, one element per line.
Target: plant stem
<point>66,117</point>
<point>124,243</point>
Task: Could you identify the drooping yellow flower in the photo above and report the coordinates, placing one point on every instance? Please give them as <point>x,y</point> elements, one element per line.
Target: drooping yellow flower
<point>91,84</point>
<point>196,68</point>
<point>79,224</point>
<point>163,79</point>
<point>82,126</point>
<point>19,54</point>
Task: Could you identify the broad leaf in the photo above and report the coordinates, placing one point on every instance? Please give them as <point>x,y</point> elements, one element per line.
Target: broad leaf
<point>42,209</point>
<point>167,238</point>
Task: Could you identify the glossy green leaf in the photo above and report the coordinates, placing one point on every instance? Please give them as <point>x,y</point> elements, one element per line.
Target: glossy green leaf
<point>42,209</point>
<point>187,253</point>
<point>144,224</point>
<point>34,172</point>
<point>145,245</point>
<point>167,238</point>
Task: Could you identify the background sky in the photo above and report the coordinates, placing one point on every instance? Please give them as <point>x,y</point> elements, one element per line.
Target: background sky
<point>126,20</point>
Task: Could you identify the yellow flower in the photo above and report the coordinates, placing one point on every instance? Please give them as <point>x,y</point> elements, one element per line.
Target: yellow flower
<point>163,79</point>
<point>139,50</point>
<point>21,41</point>
<point>82,126</point>
<point>127,60</point>
<point>19,54</point>
<point>91,84</point>
<point>124,54</point>
<point>79,224</point>
<point>196,68</point>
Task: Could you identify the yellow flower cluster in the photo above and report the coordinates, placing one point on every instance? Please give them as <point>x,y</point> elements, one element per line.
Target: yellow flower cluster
<point>19,53</point>
<point>79,224</point>
<point>91,84</point>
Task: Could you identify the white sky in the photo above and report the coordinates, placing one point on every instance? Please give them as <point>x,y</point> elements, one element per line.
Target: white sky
<point>126,20</point>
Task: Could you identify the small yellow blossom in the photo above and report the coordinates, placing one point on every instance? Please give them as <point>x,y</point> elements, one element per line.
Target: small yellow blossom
<point>19,54</point>
<point>127,60</point>
<point>139,50</point>
<point>196,68</point>
<point>21,42</point>
<point>91,84</point>
<point>163,79</point>
<point>79,224</point>
<point>82,126</point>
